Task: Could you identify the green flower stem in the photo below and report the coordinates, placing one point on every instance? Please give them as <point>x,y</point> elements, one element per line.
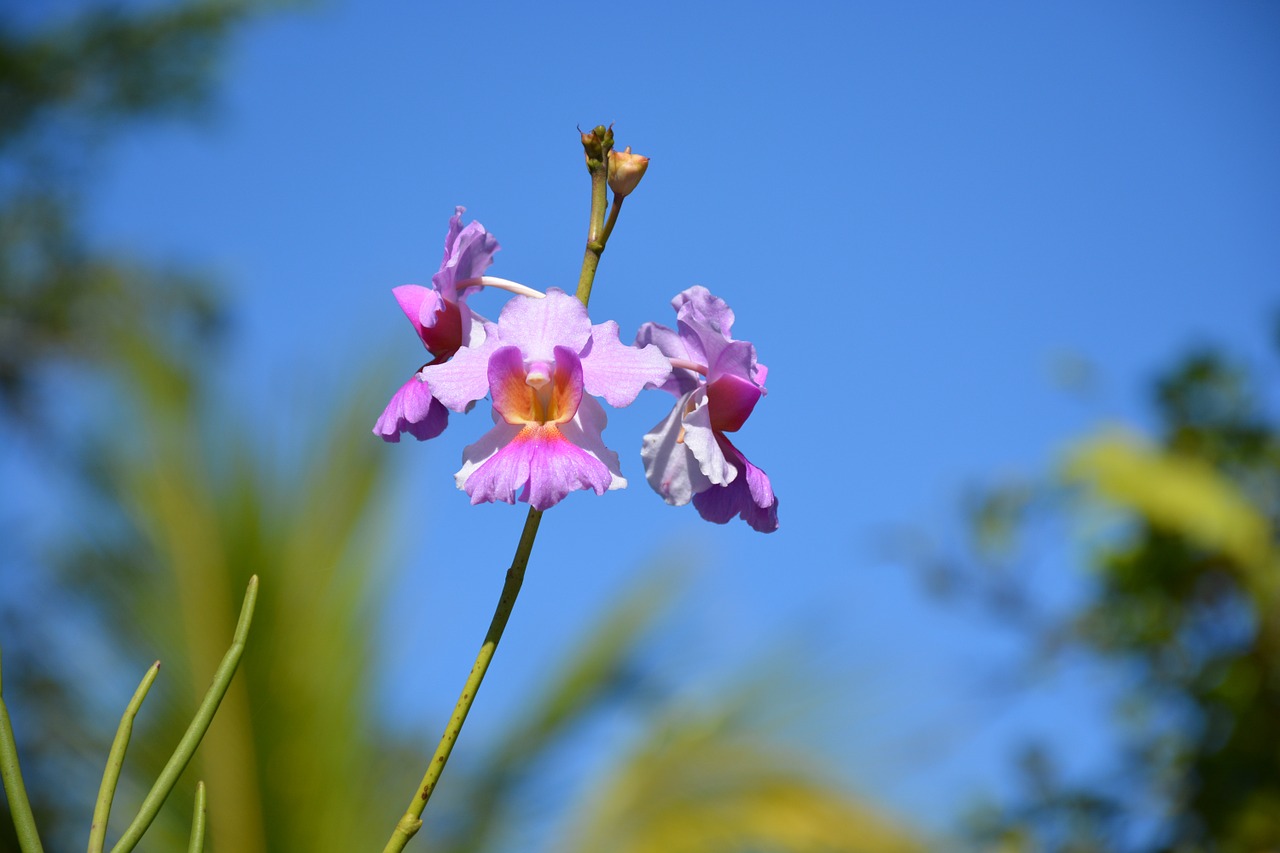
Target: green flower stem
<point>412,819</point>
<point>597,145</point>
<point>195,732</point>
<point>613,219</point>
<point>197,822</point>
<point>19,808</point>
<point>115,761</point>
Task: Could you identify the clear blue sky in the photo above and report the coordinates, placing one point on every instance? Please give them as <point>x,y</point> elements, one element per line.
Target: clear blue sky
<point>914,209</point>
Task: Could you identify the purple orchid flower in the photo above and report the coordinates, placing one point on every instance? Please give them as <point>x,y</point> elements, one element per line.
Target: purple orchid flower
<point>717,383</point>
<point>444,324</point>
<point>541,362</point>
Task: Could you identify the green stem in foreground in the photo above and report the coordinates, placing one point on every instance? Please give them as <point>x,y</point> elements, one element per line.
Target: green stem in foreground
<point>115,762</point>
<point>196,844</point>
<point>195,732</point>
<point>24,823</point>
<point>412,819</point>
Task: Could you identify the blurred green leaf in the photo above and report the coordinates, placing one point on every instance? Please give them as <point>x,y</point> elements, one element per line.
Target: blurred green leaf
<point>1182,494</point>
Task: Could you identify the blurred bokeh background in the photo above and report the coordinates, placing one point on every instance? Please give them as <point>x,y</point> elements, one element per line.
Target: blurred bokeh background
<point>1013,268</point>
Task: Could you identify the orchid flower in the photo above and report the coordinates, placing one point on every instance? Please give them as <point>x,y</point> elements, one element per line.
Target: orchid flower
<point>444,324</point>
<point>541,362</point>
<point>717,383</point>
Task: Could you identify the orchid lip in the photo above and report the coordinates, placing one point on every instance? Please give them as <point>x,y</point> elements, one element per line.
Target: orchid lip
<point>502,284</point>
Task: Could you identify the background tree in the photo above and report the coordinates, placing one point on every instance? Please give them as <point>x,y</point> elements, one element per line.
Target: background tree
<point>1183,585</point>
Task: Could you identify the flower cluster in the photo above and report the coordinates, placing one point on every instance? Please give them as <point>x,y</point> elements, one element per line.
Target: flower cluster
<point>543,363</point>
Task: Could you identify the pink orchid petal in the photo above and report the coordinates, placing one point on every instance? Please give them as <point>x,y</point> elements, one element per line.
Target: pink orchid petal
<point>540,462</point>
<point>513,399</point>
<point>669,466</point>
<point>566,390</point>
<point>714,312</point>
<point>412,409</point>
<point>538,326</point>
<point>668,341</point>
<point>468,252</point>
<point>475,455</point>
<point>585,430</point>
<point>704,322</point>
<point>463,379</point>
<point>749,497</point>
<point>618,372</point>
<point>416,302</point>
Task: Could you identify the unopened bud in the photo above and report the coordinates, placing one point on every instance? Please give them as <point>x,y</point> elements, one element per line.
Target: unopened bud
<point>625,171</point>
<point>595,144</point>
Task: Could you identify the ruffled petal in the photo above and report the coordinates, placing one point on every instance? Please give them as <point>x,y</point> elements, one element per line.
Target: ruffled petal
<point>475,455</point>
<point>668,341</point>
<point>468,252</point>
<point>669,466</point>
<point>538,463</point>
<point>715,313</point>
<point>704,322</point>
<point>749,497</point>
<point>585,430</point>
<point>463,379</point>
<point>538,326</point>
<point>618,372</point>
<point>412,409</point>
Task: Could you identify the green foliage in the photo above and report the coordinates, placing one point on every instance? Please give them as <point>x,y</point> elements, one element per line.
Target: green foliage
<point>1186,598</point>
<point>66,86</point>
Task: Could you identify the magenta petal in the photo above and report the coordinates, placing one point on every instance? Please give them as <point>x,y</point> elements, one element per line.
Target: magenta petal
<point>541,462</point>
<point>538,326</point>
<point>750,496</point>
<point>418,302</point>
<point>412,409</point>
<point>731,400</point>
<point>618,372</point>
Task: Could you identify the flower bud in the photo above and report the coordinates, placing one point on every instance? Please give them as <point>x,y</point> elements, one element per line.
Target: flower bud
<point>625,171</point>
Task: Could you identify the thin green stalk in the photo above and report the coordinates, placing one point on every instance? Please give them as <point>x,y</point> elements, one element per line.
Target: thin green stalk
<point>24,823</point>
<point>411,822</point>
<point>195,732</point>
<point>197,822</point>
<point>115,761</point>
<point>613,220</point>
<point>596,145</point>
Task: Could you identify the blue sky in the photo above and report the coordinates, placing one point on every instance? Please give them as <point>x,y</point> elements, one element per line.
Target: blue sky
<point>915,209</point>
